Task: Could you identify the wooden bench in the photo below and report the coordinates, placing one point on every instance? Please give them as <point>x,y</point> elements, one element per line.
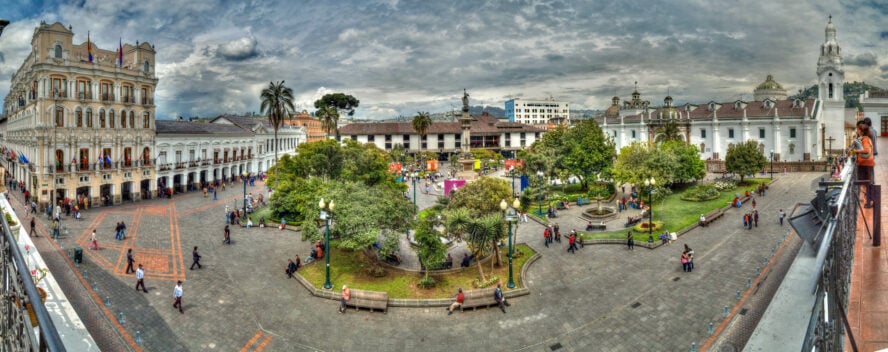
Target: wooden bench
<point>632,223</point>
<point>712,215</point>
<point>479,298</point>
<point>368,299</point>
<point>596,227</point>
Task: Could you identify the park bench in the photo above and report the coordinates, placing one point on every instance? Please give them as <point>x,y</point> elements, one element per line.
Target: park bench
<point>596,227</point>
<point>479,298</point>
<point>632,222</point>
<point>583,201</point>
<point>368,299</point>
<point>712,215</point>
<point>559,205</point>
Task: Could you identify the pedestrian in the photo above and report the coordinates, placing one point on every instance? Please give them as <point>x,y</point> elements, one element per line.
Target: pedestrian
<point>140,279</point>
<point>684,261</point>
<point>780,216</point>
<point>630,241</point>
<point>195,259</point>
<point>291,268</point>
<point>33,228</point>
<point>572,243</point>
<point>755,217</point>
<point>177,296</point>
<point>460,298</point>
<point>283,223</point>
<point>865,159</point>
<point>745,219</point>
<point>702,220</point>
<point>750,221</point>
<point>93,242</point>
<point>55,229</point>
<point>690,253</point>
<point>753,203</point>
<point>499,298</point>
<point>122,230</point>
<point>129,260</point>
<point>346,296</point>
<point>557,233</point>
<point>117,231</point>
<point>214,194</point>
<point>227,239</point>
<point>873,134</point>
<point>546,236</point>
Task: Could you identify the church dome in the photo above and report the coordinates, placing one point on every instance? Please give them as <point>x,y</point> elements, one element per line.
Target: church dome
<point>769,83</point>
<point>612,111</point>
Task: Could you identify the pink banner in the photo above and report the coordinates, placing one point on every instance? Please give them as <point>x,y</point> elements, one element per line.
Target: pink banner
<point>450,185</point>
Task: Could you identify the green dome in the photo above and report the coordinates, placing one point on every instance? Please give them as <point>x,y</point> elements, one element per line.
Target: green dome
<point>769,83</point>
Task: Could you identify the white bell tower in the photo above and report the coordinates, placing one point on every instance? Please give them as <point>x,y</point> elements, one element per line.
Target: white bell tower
<point>830,79</point>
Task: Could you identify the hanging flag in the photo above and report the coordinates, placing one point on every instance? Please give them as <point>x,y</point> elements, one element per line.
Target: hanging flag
<point>120,53</point>
<point>107,159</point>
<point>89,47</point>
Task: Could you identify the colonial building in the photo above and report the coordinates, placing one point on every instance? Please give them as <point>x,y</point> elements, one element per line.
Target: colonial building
<point>80,119</point>
<point>312,126</point>
<point>791,129</point>
<point>875,106</point>
<point>445,138</point>
<point>288,137</point>
<point>539,113</point>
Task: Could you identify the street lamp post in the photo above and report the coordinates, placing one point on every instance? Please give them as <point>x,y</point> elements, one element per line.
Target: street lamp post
<point>414,175</point>
<point>512,175</point>
<point>327,216</point>
<point>540,174</point>
<point>512,217</point>
<point>244,177</point>
<point>649,183</point>
<point>772,164</point>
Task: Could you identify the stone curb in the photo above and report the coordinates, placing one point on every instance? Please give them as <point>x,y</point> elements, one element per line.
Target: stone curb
<point>413,302</point>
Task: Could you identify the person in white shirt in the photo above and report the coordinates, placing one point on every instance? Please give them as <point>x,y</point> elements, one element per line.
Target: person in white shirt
<point>140,279</point>
<point>177,296</point>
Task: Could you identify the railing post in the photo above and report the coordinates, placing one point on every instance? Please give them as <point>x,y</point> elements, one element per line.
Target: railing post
<point>876,193</point>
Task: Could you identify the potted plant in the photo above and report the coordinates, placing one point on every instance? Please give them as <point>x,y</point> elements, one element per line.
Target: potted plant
<point>14,226</point>
<point>37,274</point>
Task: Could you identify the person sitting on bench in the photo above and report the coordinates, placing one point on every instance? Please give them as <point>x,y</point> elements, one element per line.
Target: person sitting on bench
<point>589,226</point>
<point>448,263</point>
<point>467,260</point>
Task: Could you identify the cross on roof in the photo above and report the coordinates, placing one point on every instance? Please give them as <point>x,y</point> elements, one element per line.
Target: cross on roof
<point>830,18</point>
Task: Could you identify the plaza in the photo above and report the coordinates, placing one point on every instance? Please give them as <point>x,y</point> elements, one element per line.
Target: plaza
<point>603,298</point>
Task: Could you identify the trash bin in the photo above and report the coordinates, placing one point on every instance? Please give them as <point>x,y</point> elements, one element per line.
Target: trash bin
<point>78,255</point>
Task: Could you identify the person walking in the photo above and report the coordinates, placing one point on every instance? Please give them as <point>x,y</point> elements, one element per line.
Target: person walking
<point>55,229</point>
<point>684,261</point>
<point>546,236</point>
<point>499,298</point>
<point>557,230</point>
<point>755,217</point>
<point>227,238</point>
<point>195,259</point>
<point>630,241</point>
<point>93,242</point>
<point>129,260</point>
<point>780,216</point>
<point>572,243</point>
<point>33,231</point>
<point>346,296</point>
<point>291,268</point>
<point>745,220</point>
<point>140,279</point>
<point>177,296</point>
<point>122,230</point>
<point>460,299</point>
<point>117,232</point>
<point>690,253</point>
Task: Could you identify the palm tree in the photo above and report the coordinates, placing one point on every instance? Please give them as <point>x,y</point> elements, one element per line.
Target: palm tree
<point>669,132</point>
<point>277,104</point>
<point>421,123</point>
<point>329,117</point>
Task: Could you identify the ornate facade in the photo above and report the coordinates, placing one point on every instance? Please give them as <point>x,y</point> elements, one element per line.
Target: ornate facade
<point>81,119</point>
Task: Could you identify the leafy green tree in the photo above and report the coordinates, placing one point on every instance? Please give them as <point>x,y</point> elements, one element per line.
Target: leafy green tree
<point>397,153</point>
<point>669,132</point>
<point>430,250</point>
<point>688,165</point>
<point>482,196</point>
<point>277,104</point>
<point>632,165</point>
<point>331,106</point>
<point>745,159</point>
<point>329,117</point>
<point>421,123</point>
<point>587,152</point>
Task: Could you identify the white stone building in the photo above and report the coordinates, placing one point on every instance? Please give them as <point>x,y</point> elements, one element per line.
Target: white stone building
<point>538,113</point>
<point>875,106</point>
<point>791,129</point>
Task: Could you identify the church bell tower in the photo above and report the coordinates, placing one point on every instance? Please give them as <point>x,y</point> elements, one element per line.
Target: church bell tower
<point>830,79</point>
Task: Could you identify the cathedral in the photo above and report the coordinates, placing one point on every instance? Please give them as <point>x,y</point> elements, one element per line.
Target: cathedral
<point>785,129</point>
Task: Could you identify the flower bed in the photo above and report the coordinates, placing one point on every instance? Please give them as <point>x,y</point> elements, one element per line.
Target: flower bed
<point>700,193</point>
<point>644,226</point>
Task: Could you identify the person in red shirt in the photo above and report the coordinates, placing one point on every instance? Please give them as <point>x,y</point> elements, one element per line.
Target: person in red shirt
<point>865,159</point>
<point>460,298</point>
<point>546,235</point>
<point>572,241</point>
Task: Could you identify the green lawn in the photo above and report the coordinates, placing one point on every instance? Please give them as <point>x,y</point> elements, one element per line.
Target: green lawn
<point>347,268</point>
<point>678,213</point>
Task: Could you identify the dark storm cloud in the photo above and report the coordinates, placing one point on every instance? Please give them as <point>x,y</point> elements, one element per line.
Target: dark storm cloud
<point>215,56</point>
<point>865,59</point>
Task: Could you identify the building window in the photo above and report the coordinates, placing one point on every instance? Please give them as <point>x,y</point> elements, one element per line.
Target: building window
<point>440,141</point>
<point>633,134</point>
<point>122,119</point>
<point>761,133</point>
<point>60,117</point>
<point>89,118</point>
<point>792,133</point>
<point>730,133</point>
<point>370,138</point>
<point>111,119</point>
<point>146,66</point>
<point>702,133</point>
<point>58,51</point>
<point>78,118</point>
<point>146,120</point>
<point>101,119</point>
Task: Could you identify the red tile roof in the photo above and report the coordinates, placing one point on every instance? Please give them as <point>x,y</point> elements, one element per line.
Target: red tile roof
<point>481,125</point>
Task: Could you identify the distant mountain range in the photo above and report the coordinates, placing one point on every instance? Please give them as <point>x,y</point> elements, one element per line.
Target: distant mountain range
<point>851,91</point>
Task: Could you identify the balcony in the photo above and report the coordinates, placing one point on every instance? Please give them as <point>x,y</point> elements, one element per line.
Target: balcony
<point>84,96</point>
<point>107,97</point>
<point>193,163</point>
<point>62,94</point>
<point>147,101</point>
<point>181,165</point>
<point>128,99</point>
<point>165,167</point>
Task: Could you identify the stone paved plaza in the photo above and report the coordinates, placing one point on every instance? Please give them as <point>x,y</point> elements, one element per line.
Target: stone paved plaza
<point>604,298</point>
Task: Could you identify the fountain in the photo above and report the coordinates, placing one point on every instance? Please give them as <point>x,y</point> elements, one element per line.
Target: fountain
<point>598,213</point>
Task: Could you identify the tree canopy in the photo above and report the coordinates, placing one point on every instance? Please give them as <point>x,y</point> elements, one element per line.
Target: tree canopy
<point>340,101</point>
<point>668,132</point>
<point>671,162</point>
<point>745,159</point>
<point>277,104</point>
<point>583,151</point>
<point>481,196</point>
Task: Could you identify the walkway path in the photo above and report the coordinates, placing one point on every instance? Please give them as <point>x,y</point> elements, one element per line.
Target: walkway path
<point>602,298</point>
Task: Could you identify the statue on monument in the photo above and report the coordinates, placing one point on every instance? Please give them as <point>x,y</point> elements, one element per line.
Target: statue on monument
<point>465,101</point>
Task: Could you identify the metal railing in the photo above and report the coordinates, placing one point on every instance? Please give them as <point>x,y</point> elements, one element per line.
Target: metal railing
<point>827,328</point>
<point>19,291</point>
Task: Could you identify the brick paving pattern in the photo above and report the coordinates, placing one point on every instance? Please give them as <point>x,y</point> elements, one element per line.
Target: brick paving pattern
<point>602,298</point>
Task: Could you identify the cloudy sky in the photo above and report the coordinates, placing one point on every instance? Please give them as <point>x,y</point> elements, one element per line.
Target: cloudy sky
<point>398,57</point>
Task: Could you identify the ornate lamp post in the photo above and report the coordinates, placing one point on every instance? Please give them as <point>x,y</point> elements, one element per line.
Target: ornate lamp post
<point>772,164</point>
<point>244,177</point>
<point>649,183</point>
<point>327,215</point>
<point>414,175</point>
<point>540,174</point>
<point>512,217</point>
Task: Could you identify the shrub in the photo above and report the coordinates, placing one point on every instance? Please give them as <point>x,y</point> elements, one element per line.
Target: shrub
<point>492,280</point>
<point>426,282</point>
<point>700,193</point>
<point>724,185</point>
